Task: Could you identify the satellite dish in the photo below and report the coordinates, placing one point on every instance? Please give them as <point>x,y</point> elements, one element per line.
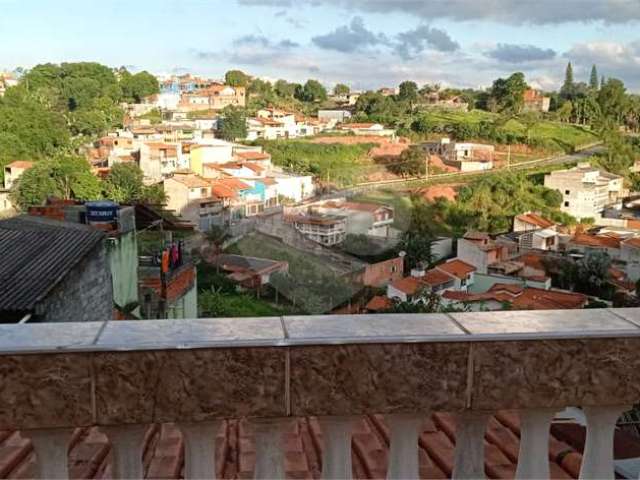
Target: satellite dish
<point>402,254</point>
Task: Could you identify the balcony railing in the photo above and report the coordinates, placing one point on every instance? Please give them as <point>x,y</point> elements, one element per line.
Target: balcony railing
<point>123,376</point>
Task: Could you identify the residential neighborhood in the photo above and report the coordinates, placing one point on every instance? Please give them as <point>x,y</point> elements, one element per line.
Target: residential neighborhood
<point>320,240</point>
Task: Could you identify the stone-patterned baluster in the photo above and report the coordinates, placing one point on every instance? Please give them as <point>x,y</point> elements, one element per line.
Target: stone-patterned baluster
<point>127,445</point>
<point>469,455</point>
<point>403,448</point>
<point>199,449</point>
<point>533,457</point>
<point>269,449</point>
<point>336,454</point>
<point>51,447</point>
<point>597,460</point>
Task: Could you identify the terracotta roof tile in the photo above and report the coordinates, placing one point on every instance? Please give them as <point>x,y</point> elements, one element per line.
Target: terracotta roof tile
<point>378,303</point>
<point>20,164</point>
<point>457,268</point>
<point>535,219</point>
<point>407,285</point>
<point>587,240</point>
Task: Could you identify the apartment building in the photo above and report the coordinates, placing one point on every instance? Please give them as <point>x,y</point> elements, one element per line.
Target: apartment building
<point>586,191</point>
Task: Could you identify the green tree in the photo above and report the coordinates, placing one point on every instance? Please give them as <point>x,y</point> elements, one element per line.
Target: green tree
<point>65,177</point>
<point>412,163</point>
<point>613,100</point>
<point>567,90</point>
<point>593,79</point>
<point>233,123</point>
<point>285,89</point>
<point>408,92</point>
<point>509,93</point>
<point>237,78</point>
<point>312,92</point>
<point>136,87</point>
<point>341,89</point>
<point>416,240</point>
<point>124,183</point>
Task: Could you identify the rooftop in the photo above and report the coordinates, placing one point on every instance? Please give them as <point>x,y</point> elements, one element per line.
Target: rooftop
<point>37,254</point>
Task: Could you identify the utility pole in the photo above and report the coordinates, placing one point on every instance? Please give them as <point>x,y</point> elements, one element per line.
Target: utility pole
<point>426,165</point>
<point>508,156</point>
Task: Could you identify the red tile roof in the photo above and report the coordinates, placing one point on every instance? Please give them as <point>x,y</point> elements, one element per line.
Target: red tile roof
<point>20,164</point>
<point>601,241</point>
<point>90,451</point>
<point>535,219</point>
<point>435,277</point>
<point>408,285</point>
<point>632,242</point>
<point>378,304</point>
<point>457,268</point>
<point>253,155</point>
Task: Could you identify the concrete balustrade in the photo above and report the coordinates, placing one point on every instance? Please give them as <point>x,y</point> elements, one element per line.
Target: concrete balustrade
<point>123,376</point>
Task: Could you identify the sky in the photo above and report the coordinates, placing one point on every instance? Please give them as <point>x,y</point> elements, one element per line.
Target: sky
<point>363,43</point>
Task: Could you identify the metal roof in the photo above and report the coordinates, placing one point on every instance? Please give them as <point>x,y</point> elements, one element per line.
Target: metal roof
<point>37,253</point>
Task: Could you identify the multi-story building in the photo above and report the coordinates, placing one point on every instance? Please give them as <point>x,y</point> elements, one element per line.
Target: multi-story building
<point>213,97</point>
<point>13,171</point>
<point>191,197</point>
<point>362,218</point>
<point>158,160</point>
<point>326,230</point>
<point>586,191</point>
<point>535,101</point>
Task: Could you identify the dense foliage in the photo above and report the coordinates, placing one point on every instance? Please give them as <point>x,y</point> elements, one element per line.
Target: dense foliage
<point>489,205</point>
<point>233,123</point>
<point>336,163</point>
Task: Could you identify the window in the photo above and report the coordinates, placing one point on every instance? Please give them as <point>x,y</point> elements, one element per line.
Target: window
<point>567,192</point>
<point>566,204</point>
<point>203,191</point>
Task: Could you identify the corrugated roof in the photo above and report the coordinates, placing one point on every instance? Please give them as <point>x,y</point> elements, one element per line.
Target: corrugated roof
<point>37,254</point>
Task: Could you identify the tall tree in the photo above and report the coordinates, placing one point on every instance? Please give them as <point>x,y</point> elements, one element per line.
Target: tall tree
<point>593,80</point>
<point>509,93</point>
<point>311,92</point>
<point>236,78</point>
<point>568,86</point>
<point>408,92</point>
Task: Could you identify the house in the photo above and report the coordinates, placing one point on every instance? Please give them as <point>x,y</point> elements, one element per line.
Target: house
<point>192,198</point>
<point>438,100</point>
<point>535,101</point>
<point>14,170</point>
<point>53,271</point>
<point>388,92</point>
<point>368,130</point>
<point>463,156</point>
<point>333,117</point>
<point>380,274</point>
<point>515,297</point>
<point>362,218</point>
<point>588,243</point>
<point>481,251</point>
<point>118,222</point>
<point>586,191</point>
<point>326,230</point>
<point>461,272</point>
<point>249,272</point>
<point>543,239</point>
<point>159,160</point>
<point>209,151</point>
<point>213,97</point>
<point>296,188</point>
<point>452,275</point>
<point>530,221</point>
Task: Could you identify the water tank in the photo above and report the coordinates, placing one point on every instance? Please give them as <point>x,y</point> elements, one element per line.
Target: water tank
<point>101,212</point>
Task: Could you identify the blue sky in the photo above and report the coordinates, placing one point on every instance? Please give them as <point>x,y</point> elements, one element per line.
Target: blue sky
<point>365,43</point>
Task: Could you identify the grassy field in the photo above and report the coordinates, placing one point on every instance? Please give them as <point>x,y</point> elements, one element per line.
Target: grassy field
<point>562,136</point>
<point>300,263</point>
<point>335,163</point>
